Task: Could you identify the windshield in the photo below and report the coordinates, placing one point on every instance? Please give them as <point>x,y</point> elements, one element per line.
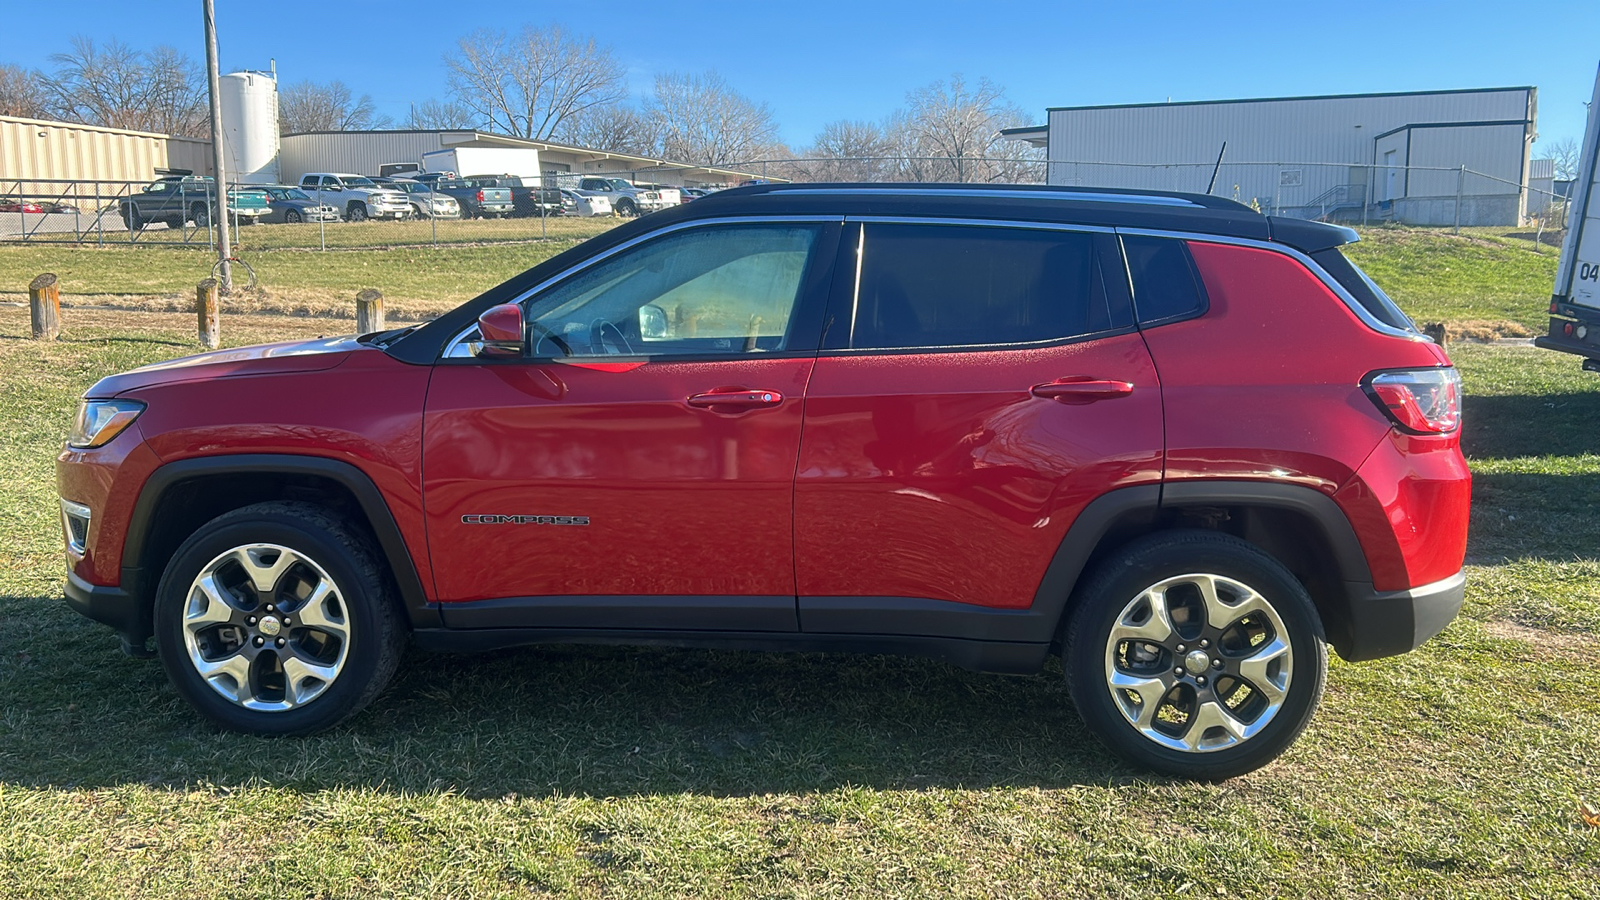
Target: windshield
<point>290,194</point>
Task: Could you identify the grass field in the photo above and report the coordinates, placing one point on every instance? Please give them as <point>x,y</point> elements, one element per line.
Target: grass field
<point>1483,282</point>
<point>607,772</point>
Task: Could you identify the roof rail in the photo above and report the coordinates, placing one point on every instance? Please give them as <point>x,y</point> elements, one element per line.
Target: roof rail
<point>1009,191</point>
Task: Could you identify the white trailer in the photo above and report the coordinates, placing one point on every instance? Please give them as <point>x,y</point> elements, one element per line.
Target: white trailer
<point>465,161</point>
<point>1575,302</point>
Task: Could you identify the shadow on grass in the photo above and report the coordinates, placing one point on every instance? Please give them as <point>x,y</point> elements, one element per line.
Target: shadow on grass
<point>558,719</point>
<point>1542,425</point>
<point>1534,516</point>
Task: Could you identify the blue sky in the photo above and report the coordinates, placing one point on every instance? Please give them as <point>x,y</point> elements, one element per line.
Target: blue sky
<point>815,61</point>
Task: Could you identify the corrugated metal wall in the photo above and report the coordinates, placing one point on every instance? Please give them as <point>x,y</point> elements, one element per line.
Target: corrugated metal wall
<point>1293,130</point>
<point>36,150</point>
<point>356,152</point>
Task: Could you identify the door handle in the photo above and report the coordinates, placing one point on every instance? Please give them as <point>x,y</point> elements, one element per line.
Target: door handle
<point>1081,390</point>
<point>737,400</point>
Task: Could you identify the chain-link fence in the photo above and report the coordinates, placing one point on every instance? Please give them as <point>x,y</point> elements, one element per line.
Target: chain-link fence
<point>327,212</point>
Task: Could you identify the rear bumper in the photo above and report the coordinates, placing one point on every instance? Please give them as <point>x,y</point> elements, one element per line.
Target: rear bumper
<point>1389,623</point>
<point>109,606</point>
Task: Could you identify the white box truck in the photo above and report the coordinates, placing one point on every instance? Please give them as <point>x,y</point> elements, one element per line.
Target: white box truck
<point>1575,302</point>
<point>464,161</point>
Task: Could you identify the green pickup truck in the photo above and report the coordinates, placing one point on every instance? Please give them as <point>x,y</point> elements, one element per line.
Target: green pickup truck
<point>178,196</point>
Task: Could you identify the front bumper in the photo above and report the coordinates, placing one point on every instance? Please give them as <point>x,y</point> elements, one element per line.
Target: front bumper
<point>1389,623</point>
<point>110,606</point>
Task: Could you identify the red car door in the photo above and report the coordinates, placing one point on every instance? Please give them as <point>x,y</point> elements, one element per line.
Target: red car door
<point>978,386</point>
<point>636,469</point>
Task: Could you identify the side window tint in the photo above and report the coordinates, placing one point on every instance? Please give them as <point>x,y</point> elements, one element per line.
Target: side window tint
<point>701,291</point>
<point>957,285</point>
<point>1166,285</point>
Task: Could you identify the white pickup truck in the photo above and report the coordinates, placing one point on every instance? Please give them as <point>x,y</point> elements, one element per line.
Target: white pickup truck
<point>628,199</point>
<point>357,197</point>
<point>1575,302</point>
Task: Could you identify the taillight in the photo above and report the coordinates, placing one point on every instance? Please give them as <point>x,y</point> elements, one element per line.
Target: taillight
<point>480,196</point>
<point>1419,401</point>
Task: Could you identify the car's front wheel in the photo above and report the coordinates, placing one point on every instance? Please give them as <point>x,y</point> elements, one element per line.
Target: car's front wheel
<point>276,619</point>
<point>357,212</point>
<point>1196,654</point>
<point>292,217</point>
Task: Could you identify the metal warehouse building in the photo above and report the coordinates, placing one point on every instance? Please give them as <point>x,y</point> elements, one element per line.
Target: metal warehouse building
<point>1417,157</point>
<point>34,150</point>
<point>362,152</point>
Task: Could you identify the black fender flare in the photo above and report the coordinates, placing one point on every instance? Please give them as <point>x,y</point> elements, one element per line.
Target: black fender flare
<point>374,506</point>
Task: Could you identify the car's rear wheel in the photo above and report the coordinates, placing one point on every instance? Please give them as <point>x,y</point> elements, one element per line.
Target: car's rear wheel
<point>292,216</point>
<point>1196,654</point>
<point>276,619</point>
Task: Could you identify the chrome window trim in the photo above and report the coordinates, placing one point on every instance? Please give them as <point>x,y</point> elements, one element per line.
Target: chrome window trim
<point>990,193</point>
<point>457,348</point>
<point>982,223</point>
<point>1329,281</point>
<point>78,510</point>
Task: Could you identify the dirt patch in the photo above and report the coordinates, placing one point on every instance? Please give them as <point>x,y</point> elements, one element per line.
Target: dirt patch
<point>1485,330</point>
<point>1540,640</point>
<point>1550,238</point>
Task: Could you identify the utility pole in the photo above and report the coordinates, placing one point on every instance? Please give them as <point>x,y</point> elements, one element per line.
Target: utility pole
<point>220,172</point>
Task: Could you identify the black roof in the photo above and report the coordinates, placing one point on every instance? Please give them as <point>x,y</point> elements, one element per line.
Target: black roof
<point>1104,207</point>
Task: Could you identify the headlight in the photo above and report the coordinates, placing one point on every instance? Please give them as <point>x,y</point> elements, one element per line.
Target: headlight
<point>99,421</point>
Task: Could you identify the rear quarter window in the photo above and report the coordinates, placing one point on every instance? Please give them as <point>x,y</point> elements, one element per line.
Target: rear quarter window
<point>1166,286</point>
<point>1365,291</point>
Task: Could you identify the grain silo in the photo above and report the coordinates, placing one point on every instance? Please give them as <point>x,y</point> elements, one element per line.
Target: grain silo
<point>250,126</point>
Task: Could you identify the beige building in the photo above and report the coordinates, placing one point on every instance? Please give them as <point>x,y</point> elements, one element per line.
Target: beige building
<point>36,153</point>
<point>363,152</point>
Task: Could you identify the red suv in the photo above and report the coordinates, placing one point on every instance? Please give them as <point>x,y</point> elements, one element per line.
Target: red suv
<point>1178,442</point>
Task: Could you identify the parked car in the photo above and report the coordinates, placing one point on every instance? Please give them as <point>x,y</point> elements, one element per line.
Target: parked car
<point>179,196</point>
<point>426,202</point>
<point>12,204</point>
<point>526,199</point>
<point>690,193</point>
<point>625,198</point>
<point>358,197</point>
<point>476,202</point>
<point>583,203</point>
<point>291,205</point>
<point>801,418</point>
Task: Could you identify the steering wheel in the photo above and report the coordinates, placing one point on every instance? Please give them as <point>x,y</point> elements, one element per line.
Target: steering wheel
<point>545,334</point>
<point>608,338</point>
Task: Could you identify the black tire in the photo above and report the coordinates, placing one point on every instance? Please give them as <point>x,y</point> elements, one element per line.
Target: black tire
<point>292,217</point>
<point>200,214</point>
<point>130,217</point>
<point>357,212</point>
<point>627,208</point>
<point>362,661</point>
<point>1209,656</point>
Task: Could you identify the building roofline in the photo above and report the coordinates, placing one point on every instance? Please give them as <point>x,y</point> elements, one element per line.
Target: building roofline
<point>1024,129</point>
<point>1487,90</point>
<point>538,144</point>
<point>57,123</point>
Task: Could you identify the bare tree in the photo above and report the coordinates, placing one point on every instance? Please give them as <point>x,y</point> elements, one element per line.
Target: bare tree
<point>1565,152</point>
<point>158,90</point>
<point>950,131</point>
<point>852,151</point>
<point>527,85</point>
<point>432,114</point>
<point>701,119</point>
<point>22,93</point>
<point>618,128</point>
<point>308,106</point>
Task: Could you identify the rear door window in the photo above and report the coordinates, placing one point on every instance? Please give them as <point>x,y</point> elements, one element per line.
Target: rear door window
<point>1166,286</point>
<point>930,285</point>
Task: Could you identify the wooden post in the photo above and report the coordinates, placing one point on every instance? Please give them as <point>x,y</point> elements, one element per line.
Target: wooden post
<point>369,311</point>
<point>44,302</point>
<point>205,304</point>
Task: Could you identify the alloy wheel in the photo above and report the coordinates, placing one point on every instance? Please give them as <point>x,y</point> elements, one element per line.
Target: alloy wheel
<point>1198,662</point>
<point>266,627</point>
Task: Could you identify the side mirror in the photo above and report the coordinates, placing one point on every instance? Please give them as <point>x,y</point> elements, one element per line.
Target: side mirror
<point>500,332</point>
<point>652,323</point>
